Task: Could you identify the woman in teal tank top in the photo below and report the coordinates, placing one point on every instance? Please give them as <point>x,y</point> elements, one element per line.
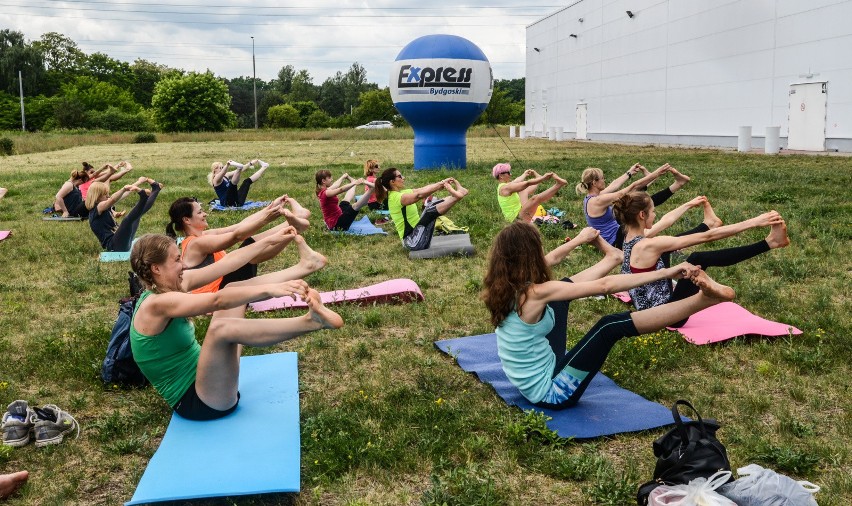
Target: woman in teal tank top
<point>200,382</point>
<point>530,312</point>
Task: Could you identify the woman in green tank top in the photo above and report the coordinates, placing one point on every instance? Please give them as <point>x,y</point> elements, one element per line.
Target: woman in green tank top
<point>201,381</point>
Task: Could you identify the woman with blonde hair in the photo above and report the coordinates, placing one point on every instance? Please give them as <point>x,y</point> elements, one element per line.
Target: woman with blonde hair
<point>102,215</point>
<point>201,381</point>
<point>600,196</point>
<point>530,313</point>
<point>371,168</point>
<point>224,181</point>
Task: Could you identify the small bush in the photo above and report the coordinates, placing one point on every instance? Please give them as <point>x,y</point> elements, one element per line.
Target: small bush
<point>144,138</point>
<point>7,146</point>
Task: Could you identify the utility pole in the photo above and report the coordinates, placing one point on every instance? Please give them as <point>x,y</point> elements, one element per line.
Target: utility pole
<point>254,81</point>
<point>21,88</point>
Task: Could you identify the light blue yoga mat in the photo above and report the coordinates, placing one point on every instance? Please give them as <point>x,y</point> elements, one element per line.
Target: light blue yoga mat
<point>362,227</point>
<point>254,450</point>
<point>115,256</point>
<point>215,206</point>
<point>604,409</point>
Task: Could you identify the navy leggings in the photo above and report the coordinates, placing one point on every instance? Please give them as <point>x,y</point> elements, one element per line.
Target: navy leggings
<point>126,231</point>
<point>235,197</point>
<point>590,352</point>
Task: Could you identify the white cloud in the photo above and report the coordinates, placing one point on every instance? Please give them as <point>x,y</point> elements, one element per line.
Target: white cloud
<point>324,38</point>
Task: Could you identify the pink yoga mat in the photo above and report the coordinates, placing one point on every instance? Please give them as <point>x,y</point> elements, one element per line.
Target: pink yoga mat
<point>393,291</point>
<point>622,296</point>
<point>728,320</point>
<point>4,234</point>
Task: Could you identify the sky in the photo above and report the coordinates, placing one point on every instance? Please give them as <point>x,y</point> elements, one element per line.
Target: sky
<point>322,36</point>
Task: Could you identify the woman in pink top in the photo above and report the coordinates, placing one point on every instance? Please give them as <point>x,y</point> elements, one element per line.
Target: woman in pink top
<point>340,215</point>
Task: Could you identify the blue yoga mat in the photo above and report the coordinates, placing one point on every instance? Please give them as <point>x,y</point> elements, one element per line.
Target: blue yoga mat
<point>254,450</point>
<point>362,227</point>
<point>604,409</point>
<point>215,206</point>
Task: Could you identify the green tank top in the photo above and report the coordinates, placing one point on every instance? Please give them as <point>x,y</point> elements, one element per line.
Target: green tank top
<point>395,209</point>
<point>168,359</point>
<point>510,205</point>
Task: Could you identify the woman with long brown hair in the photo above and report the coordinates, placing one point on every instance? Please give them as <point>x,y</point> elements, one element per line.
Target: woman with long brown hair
<point>530,313</point>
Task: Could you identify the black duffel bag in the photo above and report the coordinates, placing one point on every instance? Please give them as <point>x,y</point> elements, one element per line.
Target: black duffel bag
<point>690,450</point>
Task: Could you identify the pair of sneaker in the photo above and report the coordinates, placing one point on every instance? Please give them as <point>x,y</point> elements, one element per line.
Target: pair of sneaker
<point>47,425</point>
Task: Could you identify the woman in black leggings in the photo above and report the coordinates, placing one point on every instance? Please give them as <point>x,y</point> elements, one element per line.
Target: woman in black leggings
<point>530,312</point>
<point>112,236</point>
<point>646,250</point>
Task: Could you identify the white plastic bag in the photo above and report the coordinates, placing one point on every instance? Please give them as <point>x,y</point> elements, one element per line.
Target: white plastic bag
<point>758,486</point>
<point>698,492</point>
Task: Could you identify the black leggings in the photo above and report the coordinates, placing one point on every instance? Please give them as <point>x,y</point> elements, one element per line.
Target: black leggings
<point>706,259</point>
<point>123,237</point>
<point>590,352</point>
<point>237,198</point>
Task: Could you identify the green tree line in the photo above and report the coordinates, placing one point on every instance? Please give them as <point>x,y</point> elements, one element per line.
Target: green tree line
<point>65,88</point>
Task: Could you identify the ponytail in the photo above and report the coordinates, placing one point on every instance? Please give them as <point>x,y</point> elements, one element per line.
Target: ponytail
<point>382,186</point>
<point>589,176</point>
<point>180,209</point>
<point>319,176</point>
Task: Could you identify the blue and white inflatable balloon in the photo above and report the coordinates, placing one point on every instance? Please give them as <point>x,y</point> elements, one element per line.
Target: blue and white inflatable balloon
<point>440,84</point>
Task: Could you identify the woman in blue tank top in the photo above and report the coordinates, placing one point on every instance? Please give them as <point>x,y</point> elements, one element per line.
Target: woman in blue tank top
<point>530,312</point>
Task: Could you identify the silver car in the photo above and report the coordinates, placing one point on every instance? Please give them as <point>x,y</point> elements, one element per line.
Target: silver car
<point>376,124</point>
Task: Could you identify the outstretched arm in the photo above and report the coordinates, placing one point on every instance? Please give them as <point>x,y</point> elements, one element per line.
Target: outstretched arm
<point>220,174</point>
<point>620,180</point>
<point>421,193</point>
<point>520,184</point>
<point>223,238</point>
<point>672,216</point>
<point>342,188</point>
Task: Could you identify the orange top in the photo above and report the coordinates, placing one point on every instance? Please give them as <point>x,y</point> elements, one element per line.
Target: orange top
<point>213,286</point>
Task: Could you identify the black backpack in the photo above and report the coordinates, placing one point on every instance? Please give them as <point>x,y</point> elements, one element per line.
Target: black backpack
<point>119,366</point>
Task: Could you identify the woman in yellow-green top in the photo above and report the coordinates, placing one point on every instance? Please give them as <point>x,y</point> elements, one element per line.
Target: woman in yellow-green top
<point>415,229</point>
<point>517,197</point>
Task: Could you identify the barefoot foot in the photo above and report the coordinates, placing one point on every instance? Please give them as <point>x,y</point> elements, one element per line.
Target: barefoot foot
<point>710,218</point>
<point>318,313</point>
<point>10,483</point>
<point>777,237</point>
<point>713,289</point>
<point>308,258</point>
<point>300,224</point>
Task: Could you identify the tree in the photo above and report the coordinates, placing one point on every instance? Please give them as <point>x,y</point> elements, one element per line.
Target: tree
<point>270,98</point>
<point>241,90</point>
<point>502,110</point>
<point>354,84</point>
<point>318,119</point>
<point>305,109</point>
<point>15,55</point>
<point>63,60</point>
<point>514,88</point>
<point>109,70</point>
<point>332,98</point>
<point>285,79</point>
<point>375,105</point>
<point>145,76</point>
<point>194,102</point>
<point>283,116</point>
<point>94,95</point>
<point>303,89</point>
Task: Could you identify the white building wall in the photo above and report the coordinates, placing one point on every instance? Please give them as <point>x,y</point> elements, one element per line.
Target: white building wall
<point>688,71</point>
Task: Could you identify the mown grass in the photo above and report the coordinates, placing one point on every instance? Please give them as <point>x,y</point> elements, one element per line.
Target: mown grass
<point>386,419</point>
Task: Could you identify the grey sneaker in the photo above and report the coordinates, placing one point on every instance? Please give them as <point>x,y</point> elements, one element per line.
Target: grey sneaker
<point>18,424</point>
<point>52,424</point>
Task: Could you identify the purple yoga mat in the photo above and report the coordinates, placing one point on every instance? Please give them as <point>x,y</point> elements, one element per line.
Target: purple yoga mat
<point>393,291</point>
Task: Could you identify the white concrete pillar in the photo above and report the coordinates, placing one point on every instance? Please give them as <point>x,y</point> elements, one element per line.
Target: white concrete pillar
<point>512,131</point>
<point>560,131</point>
<point>772,143</point>
<point>551,133</point>
<point>744,139</point>
<point>523,132</point>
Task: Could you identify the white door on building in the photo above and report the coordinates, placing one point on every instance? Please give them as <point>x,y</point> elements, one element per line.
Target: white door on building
<point>581,122</point>
<point>806,118</point>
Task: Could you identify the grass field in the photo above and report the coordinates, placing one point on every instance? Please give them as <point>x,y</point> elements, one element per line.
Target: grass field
<point>387,419</point>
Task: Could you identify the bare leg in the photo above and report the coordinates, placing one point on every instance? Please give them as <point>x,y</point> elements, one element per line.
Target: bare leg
<point>777,237</point>
<point>349,196</point>
<point>528,209</point>
<point>309,262</point>
<point>364,199</point>
<point>235,175</point>
<point>710,218</point>
<point>456,194</point>
<point>218,367</point>
<point>3,192</point>
<point>655,318</point>
<point>10,483</point>
<point>613,257</point>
